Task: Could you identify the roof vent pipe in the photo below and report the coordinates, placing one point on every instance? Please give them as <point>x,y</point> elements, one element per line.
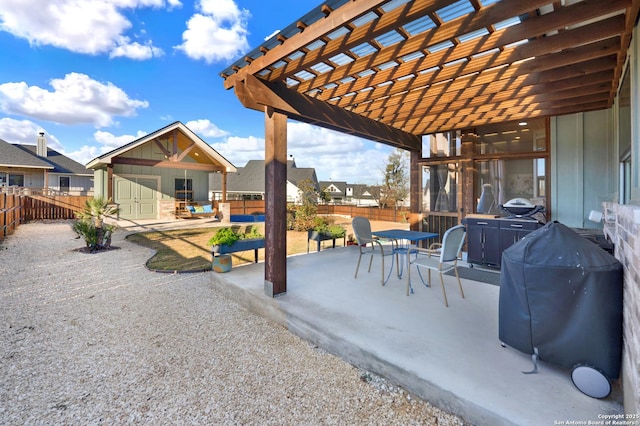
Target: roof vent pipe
<point>41,147</point>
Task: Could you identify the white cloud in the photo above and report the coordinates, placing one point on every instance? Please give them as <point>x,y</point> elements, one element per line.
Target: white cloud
<point>25,132</point>
<point>206,128</point>
<point>136,51</point>
<point>333,155</point>
<point>88,27</point>
<point>217,33</point>
<point>109,141</point>
<point>75,99</point>
<point>240,150</point>
<point>106,142</point>
<point>336,156</point>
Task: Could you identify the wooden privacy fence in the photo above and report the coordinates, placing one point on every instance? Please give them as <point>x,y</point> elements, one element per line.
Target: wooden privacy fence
<point>41,207</point>
<point>16,209</point>
<point>10,209</point>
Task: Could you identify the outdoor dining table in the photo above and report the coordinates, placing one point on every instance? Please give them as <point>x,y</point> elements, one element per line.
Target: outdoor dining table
<point>402,238</point>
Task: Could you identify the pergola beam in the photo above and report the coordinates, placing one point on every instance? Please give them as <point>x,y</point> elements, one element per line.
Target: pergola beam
<point>257,94</point>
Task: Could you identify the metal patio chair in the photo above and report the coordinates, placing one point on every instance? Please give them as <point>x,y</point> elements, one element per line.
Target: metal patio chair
<point>441,259</point>
<point>368,245</point>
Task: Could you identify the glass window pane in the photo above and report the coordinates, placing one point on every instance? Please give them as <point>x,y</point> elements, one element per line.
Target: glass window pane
<point>524,136</point>
<point>498,181</point>
<point>16,180</point>
<point>440,188</point>
<point>446,144</point>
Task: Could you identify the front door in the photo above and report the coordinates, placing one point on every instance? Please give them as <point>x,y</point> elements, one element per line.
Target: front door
<point>137,197</point>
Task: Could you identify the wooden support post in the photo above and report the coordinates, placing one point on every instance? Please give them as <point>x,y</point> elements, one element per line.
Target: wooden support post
<point>275,271</point>
<point>110,182</point>
<point>414,191</point>
<point>224,187</point>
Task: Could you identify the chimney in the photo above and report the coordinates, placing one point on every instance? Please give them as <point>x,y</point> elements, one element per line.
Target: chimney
<point>41,147</point>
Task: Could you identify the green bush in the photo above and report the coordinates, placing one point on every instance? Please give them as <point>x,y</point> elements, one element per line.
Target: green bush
<point>224,236</point>
<point>228,236</point>
<point>90,224</point>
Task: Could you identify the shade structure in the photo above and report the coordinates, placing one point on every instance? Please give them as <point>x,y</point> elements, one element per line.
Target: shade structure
<point>561,297</point>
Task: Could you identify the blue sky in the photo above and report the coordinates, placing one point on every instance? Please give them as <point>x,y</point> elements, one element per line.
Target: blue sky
<point>96,74</point>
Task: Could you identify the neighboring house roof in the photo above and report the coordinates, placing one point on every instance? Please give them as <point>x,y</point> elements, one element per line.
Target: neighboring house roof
<point>334,187</point>
<point>250,178</point>
<point>12,156</point>
<point>186,136</point>
<point>61,163</point>
<point>361,191</point>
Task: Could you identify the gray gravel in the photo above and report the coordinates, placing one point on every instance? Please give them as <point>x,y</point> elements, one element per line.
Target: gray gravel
<point>98,339</point>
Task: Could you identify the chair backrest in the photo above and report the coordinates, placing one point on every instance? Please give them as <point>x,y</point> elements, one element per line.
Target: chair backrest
<point>452,242</point>
<point>361,230</point>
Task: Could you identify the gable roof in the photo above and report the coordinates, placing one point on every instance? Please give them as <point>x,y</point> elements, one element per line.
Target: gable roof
<point>184,139</point>
<point>340,185</point>
<point>61,163</point>
<point>392,71</point>
<point>250,178</point>
<point>12,156</point>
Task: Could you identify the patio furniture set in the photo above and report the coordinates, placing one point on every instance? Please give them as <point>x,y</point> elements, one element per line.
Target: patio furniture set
<point>397,243</point>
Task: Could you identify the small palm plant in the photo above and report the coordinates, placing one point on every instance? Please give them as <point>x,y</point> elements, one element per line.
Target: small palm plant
<point>90,224</point>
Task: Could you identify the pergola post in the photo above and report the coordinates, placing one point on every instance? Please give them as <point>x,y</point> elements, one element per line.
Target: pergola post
<point>414,191</point>
<point>275,271</point>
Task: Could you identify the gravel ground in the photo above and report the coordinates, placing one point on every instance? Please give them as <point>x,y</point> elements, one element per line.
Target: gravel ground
<point>98,339</point>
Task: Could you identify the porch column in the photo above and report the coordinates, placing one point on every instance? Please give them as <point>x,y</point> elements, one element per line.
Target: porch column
<point>275,271</point>
<point>110,182</point>
<point>224,187</point>
<point>414,191</point>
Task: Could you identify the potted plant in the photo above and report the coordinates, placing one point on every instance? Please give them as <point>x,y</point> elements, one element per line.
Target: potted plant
<point>324,230</point>
<point>351,240</point>
<point>227,240</point>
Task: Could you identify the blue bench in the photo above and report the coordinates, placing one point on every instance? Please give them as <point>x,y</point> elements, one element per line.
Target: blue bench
<point>200,211</point>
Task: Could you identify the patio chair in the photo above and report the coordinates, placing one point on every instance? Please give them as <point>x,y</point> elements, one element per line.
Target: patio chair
<point>368,245</point>
<point>441,259</point>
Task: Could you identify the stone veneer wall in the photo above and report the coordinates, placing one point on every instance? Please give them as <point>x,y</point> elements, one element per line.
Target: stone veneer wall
<point>622,226</point>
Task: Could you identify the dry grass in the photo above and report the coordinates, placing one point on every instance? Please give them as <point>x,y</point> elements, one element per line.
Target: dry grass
<point>187,249</point>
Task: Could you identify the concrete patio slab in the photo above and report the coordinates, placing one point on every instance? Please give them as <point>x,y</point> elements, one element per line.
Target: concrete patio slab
<point>448,356</point>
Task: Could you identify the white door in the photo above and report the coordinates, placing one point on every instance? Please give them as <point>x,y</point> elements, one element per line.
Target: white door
<point>137,197</point>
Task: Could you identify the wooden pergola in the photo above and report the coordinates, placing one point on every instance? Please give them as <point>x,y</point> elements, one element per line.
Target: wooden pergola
<point>392,71</point>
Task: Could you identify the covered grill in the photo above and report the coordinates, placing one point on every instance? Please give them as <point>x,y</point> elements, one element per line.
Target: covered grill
<point>561,299</point>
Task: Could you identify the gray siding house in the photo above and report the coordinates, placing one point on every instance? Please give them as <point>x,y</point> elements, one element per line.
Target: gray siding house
<point>39,168</point>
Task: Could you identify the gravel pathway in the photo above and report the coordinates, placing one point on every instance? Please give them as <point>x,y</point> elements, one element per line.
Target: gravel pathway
<point>98,339</point>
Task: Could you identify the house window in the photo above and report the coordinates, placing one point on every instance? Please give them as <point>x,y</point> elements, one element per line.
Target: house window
<point>16,180</point>
<point>64,183</point>
<point>184,189</point>
<point>503,180</point>
<point>446,144</point>
<point>440,187</point>
<point>511,158</point>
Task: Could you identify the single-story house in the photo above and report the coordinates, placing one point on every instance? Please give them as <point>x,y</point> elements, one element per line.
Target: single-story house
<point>158,175</point>
<point>248,182</point>
<point>40,168</point>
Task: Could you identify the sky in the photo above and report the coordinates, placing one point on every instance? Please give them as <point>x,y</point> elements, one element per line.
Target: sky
<point>97,74</point>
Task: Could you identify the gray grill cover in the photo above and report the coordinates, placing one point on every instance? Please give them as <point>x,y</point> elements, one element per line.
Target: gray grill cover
<point>562,294</point>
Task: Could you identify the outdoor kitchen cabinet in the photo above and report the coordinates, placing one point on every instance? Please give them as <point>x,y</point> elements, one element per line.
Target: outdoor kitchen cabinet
<point>512,230</point>
<point>488,238</point>
<point>483,241</point>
